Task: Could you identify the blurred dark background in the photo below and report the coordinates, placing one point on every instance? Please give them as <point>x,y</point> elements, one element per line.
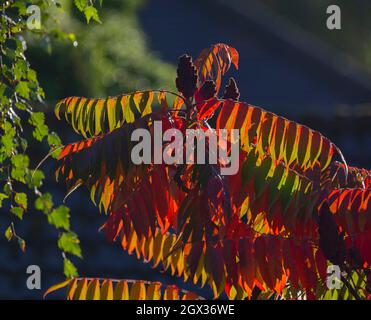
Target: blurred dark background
<point>290,63</point>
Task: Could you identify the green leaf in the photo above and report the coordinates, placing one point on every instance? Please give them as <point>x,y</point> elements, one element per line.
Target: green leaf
<point>22,8</point>
<point>91,13</point>
<point>44,203</point>
<point>8,189</point>
<point>20,105</point>
<point>37,118</point>
<point>54,142</point>
<point>2,197</point>
<point>81,4</point>
<point>18,174</point>
<point>9,233</point>
<point>22,89</point>
<point>21,200</point>
<point>7,139</point>
<point>19,69</point>
<point>20,167</point>
<point>22,244</point>
<point>41,130</point>
<point>31,75</point>
<point>69,269</point>
<point>35,179</point>
<point>70,243</point>
<point>20,161</point>
<point>18,211</point>
<point>60,217</point>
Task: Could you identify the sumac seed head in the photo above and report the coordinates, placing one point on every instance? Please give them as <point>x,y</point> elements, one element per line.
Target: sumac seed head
<point>186,81</point>
<point>231,90</point>
<point>208,90</point>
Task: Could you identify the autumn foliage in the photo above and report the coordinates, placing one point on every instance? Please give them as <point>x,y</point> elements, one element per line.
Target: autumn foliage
<point>294,207</point>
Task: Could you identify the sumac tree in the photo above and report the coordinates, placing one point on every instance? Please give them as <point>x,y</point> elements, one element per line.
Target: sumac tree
<point>293,208</point>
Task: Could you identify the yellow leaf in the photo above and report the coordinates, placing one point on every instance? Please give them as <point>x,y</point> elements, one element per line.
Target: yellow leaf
<point>154,291</point>
<point>138,291</point>
<point>93,292</point>
<point>81,290</point>
<point>57,286</point>
<point>171,293</point>
<point>107,290</point>
<point>72,289</point>
<point>121,291</point>
<point>111,112</point>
